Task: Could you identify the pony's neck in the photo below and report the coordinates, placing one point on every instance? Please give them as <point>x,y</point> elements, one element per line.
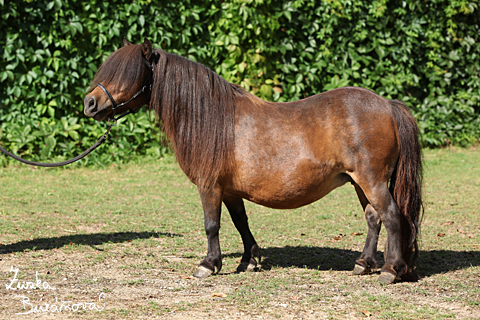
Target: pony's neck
<point>197,110</point>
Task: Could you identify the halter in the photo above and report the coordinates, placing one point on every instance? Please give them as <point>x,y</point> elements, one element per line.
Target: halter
<point>147,85</point>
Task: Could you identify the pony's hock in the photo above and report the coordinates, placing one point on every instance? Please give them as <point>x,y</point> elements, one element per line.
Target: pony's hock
<point>236,146</point>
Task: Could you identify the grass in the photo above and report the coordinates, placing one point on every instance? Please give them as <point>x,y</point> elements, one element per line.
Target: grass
<point>138,228</point>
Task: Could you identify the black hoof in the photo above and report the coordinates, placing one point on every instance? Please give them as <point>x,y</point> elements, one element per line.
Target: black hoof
<point>247,266</point>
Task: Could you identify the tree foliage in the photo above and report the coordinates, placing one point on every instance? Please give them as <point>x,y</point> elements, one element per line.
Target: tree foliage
<point>425,53</point>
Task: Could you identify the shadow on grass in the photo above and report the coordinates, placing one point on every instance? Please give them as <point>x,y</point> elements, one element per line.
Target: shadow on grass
<point>324,258</point>
<point>317,258</point>
<point>80,239</point>
<point>441,261</point>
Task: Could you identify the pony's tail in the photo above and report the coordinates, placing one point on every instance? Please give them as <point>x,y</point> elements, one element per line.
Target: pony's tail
<point>406,181</point>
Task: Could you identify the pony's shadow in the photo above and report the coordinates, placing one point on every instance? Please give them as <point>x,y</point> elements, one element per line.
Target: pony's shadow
<point>92,240</point>
<point>323,258</point>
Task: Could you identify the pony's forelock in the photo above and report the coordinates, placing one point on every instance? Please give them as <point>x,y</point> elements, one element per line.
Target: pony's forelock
<point>123,69</point>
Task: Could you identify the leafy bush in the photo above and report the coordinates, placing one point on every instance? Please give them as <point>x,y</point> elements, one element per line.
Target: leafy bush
<point>425,53</point>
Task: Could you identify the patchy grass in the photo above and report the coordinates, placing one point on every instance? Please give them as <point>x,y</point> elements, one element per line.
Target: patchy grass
<point>135,234</point>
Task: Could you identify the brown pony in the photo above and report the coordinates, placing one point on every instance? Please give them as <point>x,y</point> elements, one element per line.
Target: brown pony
<point>236,146</point>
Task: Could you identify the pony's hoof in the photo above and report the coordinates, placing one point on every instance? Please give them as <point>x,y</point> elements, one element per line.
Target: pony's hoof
<point>360,270</point>
<point>246,266</point>
<point>202,272</point>
<point>387,277</point>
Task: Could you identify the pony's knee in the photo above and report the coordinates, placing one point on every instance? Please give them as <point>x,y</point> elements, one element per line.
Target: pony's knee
<point>212,228</point>
<point>372,216</point>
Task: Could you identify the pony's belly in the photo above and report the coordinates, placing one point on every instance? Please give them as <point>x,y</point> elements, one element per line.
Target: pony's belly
<point>288,194</point>
<point>285,201</point>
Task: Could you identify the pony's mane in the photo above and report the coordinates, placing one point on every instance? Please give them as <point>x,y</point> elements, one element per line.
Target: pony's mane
<point>122,68</point>
<point>197,110</point>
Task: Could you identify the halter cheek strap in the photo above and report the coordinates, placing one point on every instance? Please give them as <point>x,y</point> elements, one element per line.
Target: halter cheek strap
<point>114,105</point>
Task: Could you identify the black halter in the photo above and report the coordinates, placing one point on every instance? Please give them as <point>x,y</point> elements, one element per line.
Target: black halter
<point>147,85</point>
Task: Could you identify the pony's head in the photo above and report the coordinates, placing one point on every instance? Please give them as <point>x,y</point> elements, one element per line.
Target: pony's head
<point>122,82</point>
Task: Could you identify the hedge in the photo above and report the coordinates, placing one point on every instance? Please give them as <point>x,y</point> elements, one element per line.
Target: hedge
<point>425,53</point>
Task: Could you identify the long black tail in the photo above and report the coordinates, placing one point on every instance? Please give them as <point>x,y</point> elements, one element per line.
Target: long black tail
<point>406,182</point>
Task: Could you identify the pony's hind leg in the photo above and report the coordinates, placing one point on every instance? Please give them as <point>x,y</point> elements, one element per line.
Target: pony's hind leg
<point>236,209</point>
<point>367,262</point>
<point>382,202</point>
<point>212,204</point>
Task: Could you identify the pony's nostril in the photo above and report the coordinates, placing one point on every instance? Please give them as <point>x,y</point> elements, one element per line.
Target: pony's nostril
<point>92,104</point>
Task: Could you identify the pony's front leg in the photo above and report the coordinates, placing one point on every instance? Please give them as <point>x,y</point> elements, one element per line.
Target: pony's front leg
<point>212,204</point>
<point>236,209</point>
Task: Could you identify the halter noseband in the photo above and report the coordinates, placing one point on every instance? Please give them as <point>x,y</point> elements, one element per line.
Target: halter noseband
<point>147,85</point>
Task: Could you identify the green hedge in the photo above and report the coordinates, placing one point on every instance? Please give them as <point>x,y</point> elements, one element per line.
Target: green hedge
<point>425,53</point>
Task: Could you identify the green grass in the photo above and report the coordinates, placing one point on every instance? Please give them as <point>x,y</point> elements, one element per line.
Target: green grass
<point>144,222</point>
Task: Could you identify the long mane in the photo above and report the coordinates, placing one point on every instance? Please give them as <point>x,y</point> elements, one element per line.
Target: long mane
<point>197,110</point>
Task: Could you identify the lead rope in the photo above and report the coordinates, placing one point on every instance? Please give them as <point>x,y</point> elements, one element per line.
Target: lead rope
<point>101,140</point>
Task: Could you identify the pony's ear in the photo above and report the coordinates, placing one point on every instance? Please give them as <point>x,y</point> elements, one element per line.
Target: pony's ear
<point>147,49</point>
<point>126,42</point>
